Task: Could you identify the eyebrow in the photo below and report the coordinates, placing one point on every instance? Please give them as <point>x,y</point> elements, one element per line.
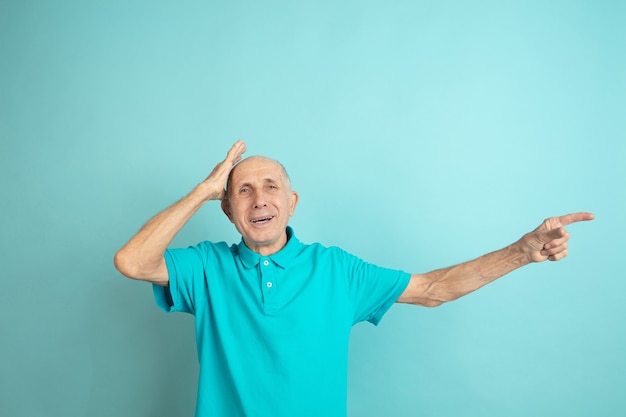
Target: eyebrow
<point>265,180</point>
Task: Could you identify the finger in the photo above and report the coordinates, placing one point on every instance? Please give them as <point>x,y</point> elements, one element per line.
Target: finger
<point>554,247</point>
<point>236,151</point>
<point>233,156</point>
<point>558,256</point>
<point>557,242</point>
<point>575,217</point>
<point>553,234</point>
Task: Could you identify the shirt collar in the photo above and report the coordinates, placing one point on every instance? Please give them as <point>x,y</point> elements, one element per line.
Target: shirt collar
<point>283,258</point>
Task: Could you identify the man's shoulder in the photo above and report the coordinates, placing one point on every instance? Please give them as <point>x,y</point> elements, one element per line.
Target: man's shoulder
<point>317,249</point>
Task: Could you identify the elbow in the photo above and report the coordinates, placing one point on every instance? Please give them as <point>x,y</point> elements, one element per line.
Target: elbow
<point>423,292</point>
<point>435,303</point>
<point>434,296</point>
<point>426,300</point>
<point>131,266</point>
<point>437,298</point>
<point>432,303</point>
<point>124,264</point>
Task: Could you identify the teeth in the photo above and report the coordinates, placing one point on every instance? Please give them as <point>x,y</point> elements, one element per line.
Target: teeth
<point>261,220</point>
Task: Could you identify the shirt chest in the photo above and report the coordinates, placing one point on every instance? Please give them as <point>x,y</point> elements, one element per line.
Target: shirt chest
<point>268,288</point>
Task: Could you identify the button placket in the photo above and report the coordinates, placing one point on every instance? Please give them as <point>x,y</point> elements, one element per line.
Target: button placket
<point>268,284</point>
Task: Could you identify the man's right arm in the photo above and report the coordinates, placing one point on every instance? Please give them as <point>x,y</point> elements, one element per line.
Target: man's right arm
<point>142,257</point>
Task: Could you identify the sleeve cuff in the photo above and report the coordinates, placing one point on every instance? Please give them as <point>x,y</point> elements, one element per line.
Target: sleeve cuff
<point>163,295</point>
<point>403,282</point>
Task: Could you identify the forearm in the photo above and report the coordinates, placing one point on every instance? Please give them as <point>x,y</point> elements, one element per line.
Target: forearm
<point>142,256</point>
<point>447,284</point>
<point>546,242</point>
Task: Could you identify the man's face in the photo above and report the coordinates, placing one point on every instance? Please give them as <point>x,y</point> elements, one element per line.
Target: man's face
<point>259,202</point>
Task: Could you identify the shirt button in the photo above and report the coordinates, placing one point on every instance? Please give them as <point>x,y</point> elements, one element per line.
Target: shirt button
<point>266,262</point>
<point>269,285</point>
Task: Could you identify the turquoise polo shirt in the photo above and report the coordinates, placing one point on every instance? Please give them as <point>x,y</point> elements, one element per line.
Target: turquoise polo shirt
<point>272,331</point>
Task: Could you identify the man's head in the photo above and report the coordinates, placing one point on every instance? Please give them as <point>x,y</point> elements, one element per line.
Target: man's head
<point>259,201</point>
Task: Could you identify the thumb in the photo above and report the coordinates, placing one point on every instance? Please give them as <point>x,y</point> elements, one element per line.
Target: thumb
<point>550,235</point>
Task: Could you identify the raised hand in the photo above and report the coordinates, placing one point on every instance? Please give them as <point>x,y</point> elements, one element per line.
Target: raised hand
<point>216,181</point>
<point>142,257</point>
<point>549,240</point>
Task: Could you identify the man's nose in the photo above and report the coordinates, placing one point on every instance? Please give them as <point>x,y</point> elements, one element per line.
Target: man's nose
<point>260,200</point>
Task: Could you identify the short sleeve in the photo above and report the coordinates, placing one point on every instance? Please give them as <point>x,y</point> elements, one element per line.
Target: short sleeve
<point>373,289</point>
<point>185,268</point>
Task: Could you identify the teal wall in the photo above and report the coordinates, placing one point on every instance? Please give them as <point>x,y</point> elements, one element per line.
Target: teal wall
<point>419,134</point>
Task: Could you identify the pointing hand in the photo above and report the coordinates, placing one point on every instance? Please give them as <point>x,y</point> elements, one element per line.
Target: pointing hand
<point>549,240</point>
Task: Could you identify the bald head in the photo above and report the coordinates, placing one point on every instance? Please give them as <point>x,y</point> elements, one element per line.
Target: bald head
<point>256,163</point>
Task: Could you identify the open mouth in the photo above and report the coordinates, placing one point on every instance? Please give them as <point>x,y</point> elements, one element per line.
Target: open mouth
<point>262,220</point>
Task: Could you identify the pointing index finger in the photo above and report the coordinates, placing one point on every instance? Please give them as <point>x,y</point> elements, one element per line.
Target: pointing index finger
<point>575,217</point>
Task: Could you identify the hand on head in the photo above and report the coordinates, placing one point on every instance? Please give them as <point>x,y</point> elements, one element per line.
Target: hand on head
<point>219,176</point>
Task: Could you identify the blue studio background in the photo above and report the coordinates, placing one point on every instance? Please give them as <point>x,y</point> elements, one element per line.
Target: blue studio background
<point>419,134</point>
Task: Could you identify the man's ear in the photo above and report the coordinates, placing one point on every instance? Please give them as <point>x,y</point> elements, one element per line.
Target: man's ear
<point>293,202</point>
<point>226,208</point>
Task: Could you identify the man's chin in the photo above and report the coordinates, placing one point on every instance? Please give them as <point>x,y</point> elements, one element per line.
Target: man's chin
<point>265,242</point>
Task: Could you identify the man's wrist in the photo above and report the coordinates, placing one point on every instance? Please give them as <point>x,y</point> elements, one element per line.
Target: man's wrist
<point>521,252</point>
<point>206,192</point>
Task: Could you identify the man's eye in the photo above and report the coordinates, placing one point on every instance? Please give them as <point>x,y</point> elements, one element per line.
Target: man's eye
<point>244,190</point>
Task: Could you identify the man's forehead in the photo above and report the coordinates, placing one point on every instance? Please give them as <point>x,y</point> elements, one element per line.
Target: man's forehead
<point>257,166</point>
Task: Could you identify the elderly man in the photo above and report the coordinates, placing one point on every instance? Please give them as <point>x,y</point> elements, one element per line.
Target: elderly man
<point>273,315</point>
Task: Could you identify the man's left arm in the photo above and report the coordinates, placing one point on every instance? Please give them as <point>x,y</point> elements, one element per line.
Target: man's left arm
<point>546,242</point>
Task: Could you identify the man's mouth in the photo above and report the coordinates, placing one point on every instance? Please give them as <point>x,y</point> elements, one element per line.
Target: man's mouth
<point>261,220</point>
